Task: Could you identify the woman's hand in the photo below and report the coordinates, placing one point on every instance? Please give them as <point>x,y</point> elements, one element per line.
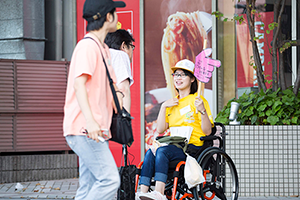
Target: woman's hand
<point>170,103</point>
<point>199,104</point>
<point>161,119</point>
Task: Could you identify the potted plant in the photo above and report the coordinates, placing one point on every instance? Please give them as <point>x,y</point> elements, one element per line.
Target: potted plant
<point>281,107</point>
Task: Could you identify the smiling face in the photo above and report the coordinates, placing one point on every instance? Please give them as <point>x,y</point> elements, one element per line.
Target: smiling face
<point>182,81</point>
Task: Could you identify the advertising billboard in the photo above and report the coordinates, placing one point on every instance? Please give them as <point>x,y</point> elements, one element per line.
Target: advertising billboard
<point>174,30</point>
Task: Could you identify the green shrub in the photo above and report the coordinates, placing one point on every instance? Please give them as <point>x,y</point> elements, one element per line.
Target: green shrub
<point>265,108</point>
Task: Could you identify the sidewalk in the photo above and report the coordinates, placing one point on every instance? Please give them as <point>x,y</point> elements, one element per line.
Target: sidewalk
<point>55,189</point>
<point>66,189</point>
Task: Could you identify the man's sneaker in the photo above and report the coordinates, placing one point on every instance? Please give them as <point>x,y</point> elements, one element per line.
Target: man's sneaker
<point>152,196</point>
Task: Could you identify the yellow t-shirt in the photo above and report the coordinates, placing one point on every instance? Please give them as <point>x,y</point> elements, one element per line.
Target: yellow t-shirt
<point>184,114</point>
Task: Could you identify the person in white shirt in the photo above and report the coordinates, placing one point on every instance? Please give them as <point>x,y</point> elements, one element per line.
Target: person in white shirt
<point>121,50</point>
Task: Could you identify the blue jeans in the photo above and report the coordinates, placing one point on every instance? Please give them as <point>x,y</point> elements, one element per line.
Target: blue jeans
<point>98,174</point>
<point>158,165</point>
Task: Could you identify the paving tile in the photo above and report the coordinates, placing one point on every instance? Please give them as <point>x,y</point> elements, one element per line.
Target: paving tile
<point>5,187</point>
<point>12,188</point>
<point>46,191</point>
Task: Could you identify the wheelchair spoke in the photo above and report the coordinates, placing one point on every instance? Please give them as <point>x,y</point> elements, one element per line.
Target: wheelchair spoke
<point>220,175</point>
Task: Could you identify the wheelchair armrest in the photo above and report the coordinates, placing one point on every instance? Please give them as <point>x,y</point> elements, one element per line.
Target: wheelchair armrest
<point>208,138</point>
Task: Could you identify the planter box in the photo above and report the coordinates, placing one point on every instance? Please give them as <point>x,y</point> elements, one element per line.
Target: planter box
<point>267,159</point>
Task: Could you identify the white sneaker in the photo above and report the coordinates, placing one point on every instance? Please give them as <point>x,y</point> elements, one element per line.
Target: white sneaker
<point>152,196</point>
<point>137,195</point>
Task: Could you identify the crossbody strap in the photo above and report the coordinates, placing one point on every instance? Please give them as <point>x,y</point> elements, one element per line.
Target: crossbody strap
<point>113,91</point>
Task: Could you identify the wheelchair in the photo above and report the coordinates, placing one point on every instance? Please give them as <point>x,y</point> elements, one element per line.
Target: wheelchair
<point>219,171</point>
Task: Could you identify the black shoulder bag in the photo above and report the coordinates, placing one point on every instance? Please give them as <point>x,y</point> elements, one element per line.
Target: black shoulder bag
<point>121,130</point>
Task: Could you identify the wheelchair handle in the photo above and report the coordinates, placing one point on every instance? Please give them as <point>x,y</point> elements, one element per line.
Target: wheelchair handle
<point>223,132</point>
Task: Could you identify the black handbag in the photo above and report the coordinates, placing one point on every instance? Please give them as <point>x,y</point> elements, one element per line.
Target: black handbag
<point>121,129</point>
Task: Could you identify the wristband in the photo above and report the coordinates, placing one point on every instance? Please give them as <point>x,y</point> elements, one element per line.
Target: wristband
<point>203,112</point>
<point>121,93</point>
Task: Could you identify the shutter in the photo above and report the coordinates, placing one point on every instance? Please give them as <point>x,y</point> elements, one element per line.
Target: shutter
<point>7,99</point>
<point>41,87</point>
<point>6,133</point>
<point>40,132</point>
<point>32,95</point>
<point>7,96</point>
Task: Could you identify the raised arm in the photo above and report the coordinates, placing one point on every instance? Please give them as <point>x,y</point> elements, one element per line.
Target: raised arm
<point>161,119</point>
<point>205,122</point>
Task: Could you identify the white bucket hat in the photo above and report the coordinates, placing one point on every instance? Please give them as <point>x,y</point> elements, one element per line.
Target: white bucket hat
<point>184,64</point>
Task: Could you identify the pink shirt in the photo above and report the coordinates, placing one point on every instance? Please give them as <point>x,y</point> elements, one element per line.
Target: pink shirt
<point>87,59</point>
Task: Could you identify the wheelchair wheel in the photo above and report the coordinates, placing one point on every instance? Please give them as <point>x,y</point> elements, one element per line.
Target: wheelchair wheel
<point>220,174</point>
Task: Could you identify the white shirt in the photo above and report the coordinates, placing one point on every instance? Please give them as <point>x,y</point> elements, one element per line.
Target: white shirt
<point>121,64</point>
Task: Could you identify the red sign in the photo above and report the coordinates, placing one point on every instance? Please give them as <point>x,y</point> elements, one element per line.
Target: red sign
<point>128,19</point>
<point>246,75</point>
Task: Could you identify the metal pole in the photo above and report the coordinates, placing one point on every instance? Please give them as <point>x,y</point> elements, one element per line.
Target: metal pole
<point>58,10</point>
<point>214,55</point>
<point>294,37</point>
<point>142,78</point>
<point>69,28</point>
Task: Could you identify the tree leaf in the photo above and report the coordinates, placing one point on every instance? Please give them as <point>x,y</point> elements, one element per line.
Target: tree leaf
<point>248,112</point>
<point>269,102</point>
<point>287,100</point>
<point>272,120</point>
<point>253,119</point>
<point>260,99</point>
<point>262,114</point>
<point>294,120</point>
<point>262,107</point>
<point>286,121</point>
<point>269,112</point>
<point>276,104</point>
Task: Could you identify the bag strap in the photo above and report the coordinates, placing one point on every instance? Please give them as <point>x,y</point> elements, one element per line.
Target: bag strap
<point>113,91</point>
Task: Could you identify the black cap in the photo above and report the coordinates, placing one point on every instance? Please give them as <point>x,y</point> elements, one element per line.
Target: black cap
<point>94,9</point>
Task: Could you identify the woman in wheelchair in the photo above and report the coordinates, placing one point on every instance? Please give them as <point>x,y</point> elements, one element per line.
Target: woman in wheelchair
<point>185,110</point>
